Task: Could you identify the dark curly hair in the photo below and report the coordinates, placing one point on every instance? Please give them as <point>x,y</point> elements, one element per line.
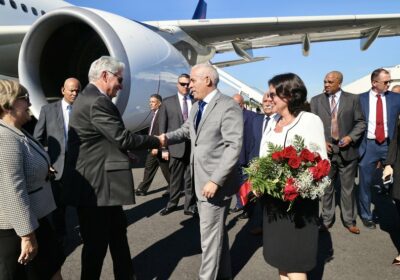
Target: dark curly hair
<point>289,86</point>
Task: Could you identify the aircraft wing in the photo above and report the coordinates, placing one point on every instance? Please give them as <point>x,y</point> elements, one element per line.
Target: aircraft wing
<point>252,33</point>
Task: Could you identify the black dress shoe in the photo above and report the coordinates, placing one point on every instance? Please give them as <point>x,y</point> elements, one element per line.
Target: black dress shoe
<point>190,212</point>
<point>244,215</point>
<point>167,210</point>
<point>166,194</point>
<point>369,224</point>
<point>234,210</point>
<point>140,192</point>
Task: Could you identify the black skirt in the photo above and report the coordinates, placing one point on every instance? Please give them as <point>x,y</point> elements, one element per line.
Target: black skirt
<point>290,238</point>
<point>47,262</point>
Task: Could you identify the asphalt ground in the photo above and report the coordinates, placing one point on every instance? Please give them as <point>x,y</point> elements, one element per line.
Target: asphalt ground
<point>168,247</point>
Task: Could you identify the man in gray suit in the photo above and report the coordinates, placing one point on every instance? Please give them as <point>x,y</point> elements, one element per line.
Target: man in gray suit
<point>215,128</point>
<point>51,131</point>
<point>100,179</point>
<point>344,125</point>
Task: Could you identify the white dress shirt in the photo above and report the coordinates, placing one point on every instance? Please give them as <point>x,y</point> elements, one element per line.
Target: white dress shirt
<point>372,114</point>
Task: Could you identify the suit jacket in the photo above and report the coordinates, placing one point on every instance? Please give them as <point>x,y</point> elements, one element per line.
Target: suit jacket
<point>26,195</point>
<point>393,159</point>
<point>392,112</point>
<point>97,152</point>
<point>215,146</point>
<point>171,119</point>
<point>256,135</point>
<point>248,117</point>
<point>49,131</point>
<point>350,118</point>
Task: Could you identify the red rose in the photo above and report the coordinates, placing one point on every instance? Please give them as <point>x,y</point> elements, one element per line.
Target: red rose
<point>324,166</point>
<point>290,190</point>
<point>317,157</point>
<point>289,152</point>
<point>306,155</point>
<point>320,170</point>
<point>277,156</point>
<point>294,162</point>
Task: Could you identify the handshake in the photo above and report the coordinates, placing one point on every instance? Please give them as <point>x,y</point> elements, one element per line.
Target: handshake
<point>163,140</point>
<point>163,144</point>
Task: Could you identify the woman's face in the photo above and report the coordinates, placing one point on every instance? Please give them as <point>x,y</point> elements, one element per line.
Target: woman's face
<point>20,110</point>
<point>278,105</point>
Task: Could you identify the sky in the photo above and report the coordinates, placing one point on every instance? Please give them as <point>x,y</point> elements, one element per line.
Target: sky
<point>344,56</point>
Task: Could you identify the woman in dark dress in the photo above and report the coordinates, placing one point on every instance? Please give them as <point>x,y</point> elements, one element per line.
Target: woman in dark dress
<point>291,237</point>
<point>393,164</point>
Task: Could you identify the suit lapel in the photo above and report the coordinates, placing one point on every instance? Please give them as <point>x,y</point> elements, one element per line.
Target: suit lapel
<point>342,102</point>
<point>60,116</point>
<point>209,108</point>
<point>325,103</point>
<point>178,108</point>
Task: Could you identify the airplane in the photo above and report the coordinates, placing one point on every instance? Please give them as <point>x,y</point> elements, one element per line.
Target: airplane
<point>52,40</point>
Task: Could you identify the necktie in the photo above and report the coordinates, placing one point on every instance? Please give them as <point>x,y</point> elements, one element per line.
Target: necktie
<point>184,108</point>
<point>266,120</point>
<point>199,112</point>
<point>152,123</point>
<point>379,128</point>
<point>69,109</point>
<point>334,122</point>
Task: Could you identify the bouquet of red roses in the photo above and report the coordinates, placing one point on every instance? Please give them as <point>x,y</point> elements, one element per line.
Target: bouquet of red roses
<point>290,172</point>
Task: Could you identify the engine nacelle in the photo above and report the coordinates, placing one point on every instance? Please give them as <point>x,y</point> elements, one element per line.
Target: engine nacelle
<point>64,43</point>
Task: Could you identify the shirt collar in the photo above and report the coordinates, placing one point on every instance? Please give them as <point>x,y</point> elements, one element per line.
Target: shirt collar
<point>210,96</point>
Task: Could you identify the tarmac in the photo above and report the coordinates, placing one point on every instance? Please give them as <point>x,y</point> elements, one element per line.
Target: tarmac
<point>168,247</point>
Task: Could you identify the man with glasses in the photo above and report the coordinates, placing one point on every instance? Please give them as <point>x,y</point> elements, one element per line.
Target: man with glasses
<point>52,131</point>
<point>99,177</point>
<point>344,126</point>
<point>173,113</point>
<point>380,108</point>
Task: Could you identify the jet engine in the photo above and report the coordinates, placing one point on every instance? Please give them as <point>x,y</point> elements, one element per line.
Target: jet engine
<point>64,42</point>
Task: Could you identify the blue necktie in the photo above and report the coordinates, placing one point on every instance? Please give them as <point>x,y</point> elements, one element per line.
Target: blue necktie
<point>200,112</point>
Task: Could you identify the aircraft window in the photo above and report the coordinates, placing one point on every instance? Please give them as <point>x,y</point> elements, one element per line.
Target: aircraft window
<point>24,8</point>
<point>34,11</point>
<point>2,2</point>
<point>42,12</point>
<point>13,4</point>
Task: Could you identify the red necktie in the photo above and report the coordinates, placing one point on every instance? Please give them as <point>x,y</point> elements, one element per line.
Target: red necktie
<point>379,128</point>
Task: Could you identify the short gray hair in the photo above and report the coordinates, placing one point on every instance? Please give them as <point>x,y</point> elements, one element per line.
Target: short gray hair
<point>208,70</point>
<point>104,63</point>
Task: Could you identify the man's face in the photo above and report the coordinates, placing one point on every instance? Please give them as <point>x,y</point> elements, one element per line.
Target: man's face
<point>183,85</point>
<point>70,91</point>
<point>199,84</point>
<point>267,104</point>
<point>381,83</point>
<point>331,83</point>
<point>154,103</point>
<point>114,83</point>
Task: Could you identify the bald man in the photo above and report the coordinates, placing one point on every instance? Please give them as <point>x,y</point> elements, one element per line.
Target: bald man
<point>51,131</point>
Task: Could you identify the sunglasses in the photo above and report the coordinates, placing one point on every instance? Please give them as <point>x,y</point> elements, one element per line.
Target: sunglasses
<point>24,97</point>
<point>184,84</point>
<point>385,82</point>
<point>119,78</point>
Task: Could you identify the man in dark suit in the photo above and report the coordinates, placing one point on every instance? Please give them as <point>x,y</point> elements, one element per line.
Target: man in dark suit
<point>344,125</point>
<point>101,181</point>
<point>248,117</point>
<point>215,128</point>
<point>153,159</point>
<point>173,113</point>
<point>51,131</point>
<point>381,109</point>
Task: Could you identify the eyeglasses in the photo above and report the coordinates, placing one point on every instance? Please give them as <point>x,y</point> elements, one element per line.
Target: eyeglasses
<point>25,97</point>
<point>385,82</point>
<point>119,78</point>
<point>184,84</point>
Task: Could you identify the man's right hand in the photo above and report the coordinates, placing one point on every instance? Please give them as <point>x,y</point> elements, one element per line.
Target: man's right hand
<point>154,152</point>
<point>29,248</point>
<point>387,171</point>
<point>163,140</point>
<point>329,147</point>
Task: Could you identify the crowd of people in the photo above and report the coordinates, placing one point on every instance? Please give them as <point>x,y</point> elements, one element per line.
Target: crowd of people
<point>80,156</point>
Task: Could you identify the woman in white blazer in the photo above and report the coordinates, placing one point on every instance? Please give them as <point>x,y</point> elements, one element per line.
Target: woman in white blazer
<point>29,248</point>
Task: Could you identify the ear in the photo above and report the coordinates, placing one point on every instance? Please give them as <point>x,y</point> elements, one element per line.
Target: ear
<point>208,81</point>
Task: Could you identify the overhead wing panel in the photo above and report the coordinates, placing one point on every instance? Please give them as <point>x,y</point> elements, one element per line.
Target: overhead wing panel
<point>278,31</point>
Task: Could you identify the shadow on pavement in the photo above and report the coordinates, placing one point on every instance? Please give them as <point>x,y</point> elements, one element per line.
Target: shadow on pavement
<point>160,259</point>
